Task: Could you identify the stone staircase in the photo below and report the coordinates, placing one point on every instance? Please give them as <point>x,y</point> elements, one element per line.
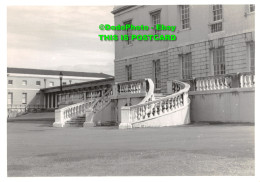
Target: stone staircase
<point>76,121</point>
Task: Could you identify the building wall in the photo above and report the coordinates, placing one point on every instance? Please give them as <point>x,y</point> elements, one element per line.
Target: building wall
<point>238,31</point>
<point>233,105</point>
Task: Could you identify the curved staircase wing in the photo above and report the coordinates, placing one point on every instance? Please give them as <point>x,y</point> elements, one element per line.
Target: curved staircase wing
<point>166,111</point>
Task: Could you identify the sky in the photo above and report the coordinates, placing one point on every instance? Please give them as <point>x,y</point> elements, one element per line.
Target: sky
<point>59,38</point>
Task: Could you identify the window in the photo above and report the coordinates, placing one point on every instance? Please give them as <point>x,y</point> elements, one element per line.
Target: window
<point>10,98</point>
<point>155,21</point>
<point>185,16</point>
<point>24,82</point>
<point>217,19</point>
<point>128,32</point>
<point>186,66</point>
<point>252,56</point>
<point>217,27</point>
<point>157,73</point>
<point>24,98</point>
<point>64,83</point>
<point>129,72</point>
<point>38,82</point>
<point>10,82</point>
<point>217,12</point>
<point>218,55</point>
<point>51,84</point>
<point>251,8</point>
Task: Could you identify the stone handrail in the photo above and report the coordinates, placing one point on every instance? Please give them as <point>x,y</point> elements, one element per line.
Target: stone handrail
<point>213,82</point>
<point>247,80</point>
<point>102,101</point>
<point>97,106</point>
<point>150,91</point>
<point>131,87</point>
<point>156,108</point>
<point>67,113</point>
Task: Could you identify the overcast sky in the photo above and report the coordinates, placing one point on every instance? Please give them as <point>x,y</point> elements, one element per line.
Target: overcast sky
<point>63,38</point>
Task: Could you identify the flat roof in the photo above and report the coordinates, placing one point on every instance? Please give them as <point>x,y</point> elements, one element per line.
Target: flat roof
<point>56,72</point>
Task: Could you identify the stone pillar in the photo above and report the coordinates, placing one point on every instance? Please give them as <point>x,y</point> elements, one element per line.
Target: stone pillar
<point>125,118</point>
<point>44,101</point>
<point>89,118</point>
<point>48,101</point>
<point>56,100</point>
<point>51,100</point>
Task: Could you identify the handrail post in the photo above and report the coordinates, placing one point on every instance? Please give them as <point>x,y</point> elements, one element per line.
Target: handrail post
<point>125,118</point>
<point>59,119</point>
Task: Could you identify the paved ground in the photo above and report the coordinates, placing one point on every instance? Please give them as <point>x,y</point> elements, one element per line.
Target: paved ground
<point>37,149</point>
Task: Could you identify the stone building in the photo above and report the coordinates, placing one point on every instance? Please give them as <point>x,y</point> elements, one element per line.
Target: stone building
<point>211,40</point>
<point>24,85</point>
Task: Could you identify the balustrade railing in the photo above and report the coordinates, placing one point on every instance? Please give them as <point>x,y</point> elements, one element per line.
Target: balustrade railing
<point>220,82</point>
<point>213,83</point>
<point>67,113</point>
<point>157,108</point>
<point>102,101</point>
<point>247,80</point>
<point>132,87</point>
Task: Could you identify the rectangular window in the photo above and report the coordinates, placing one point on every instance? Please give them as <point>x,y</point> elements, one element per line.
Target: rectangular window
<point>10,98</point>
<point>128,32</point>
<point>24,82</point>
<point>38,83</point>
<point>185,16</point>
<point>218,55</point>
<point>157,73</point>
<point>10,82</point>
<point>252,56</point>
<point>217,12</point>
<point>251,8</point>
<point>155,21</point>
<point>217,27</point>
<point>24,98</point>
<point>186,66</point>
<point>217,17</point>
<point>51,84</point>
<point>129,72</point>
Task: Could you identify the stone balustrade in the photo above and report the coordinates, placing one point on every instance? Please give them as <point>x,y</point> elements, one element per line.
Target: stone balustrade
<point>156,108</point>
<point>102,101</point>
<point>247,80</point>
<point>213,83</point>
<point>131,87</point>
<point>220,82</point>
<point>67,113</point>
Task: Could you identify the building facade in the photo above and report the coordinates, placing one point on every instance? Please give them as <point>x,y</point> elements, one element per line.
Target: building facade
<point>24,85</point>
<point>211,40</point>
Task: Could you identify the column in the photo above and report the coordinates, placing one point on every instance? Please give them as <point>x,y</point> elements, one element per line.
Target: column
<point>51,100</point>
<point>56,100</point>
<point>48,101</point>
<point>44,101</point>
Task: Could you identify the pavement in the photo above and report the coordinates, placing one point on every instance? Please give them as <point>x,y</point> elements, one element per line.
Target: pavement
<point>38,149</point>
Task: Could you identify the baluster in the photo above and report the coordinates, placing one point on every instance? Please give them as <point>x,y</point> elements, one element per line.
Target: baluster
<point>246,81</point>
<point>217,84</point>
<point>249,80</point>
<point>242,81</point>
<point>206,84</point>
<point>253,80</point>
<point>169,105</point>
<point>226,82</point>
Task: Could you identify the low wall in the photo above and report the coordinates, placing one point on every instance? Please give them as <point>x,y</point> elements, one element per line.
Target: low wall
<point>228,105</point>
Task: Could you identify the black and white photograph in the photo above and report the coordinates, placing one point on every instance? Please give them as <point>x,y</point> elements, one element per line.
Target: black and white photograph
<point>129,90</point>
